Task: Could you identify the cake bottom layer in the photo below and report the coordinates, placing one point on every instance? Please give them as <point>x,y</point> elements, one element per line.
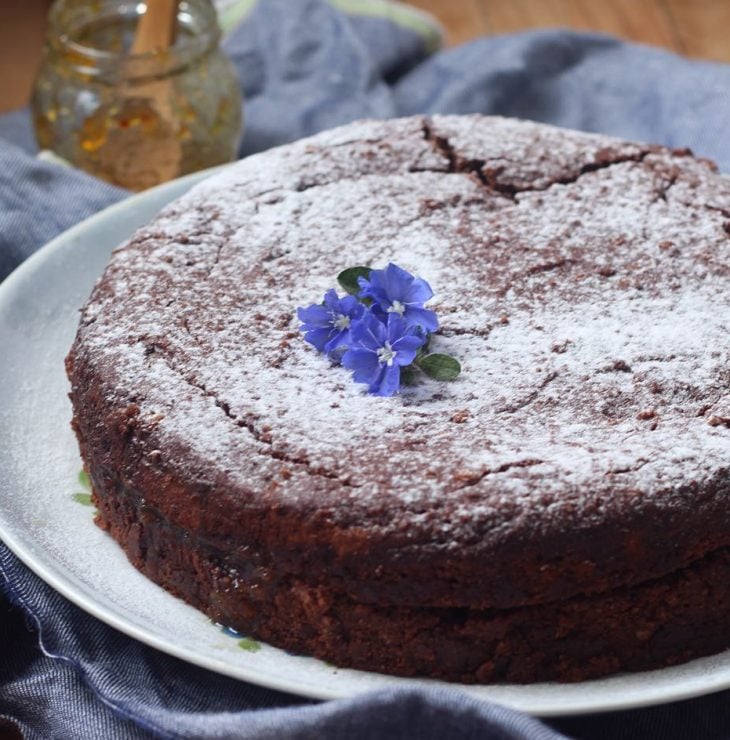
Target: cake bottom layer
<point>655,624</point>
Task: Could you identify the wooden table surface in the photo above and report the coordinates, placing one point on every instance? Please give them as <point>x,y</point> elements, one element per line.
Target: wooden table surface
<point>698,28</point>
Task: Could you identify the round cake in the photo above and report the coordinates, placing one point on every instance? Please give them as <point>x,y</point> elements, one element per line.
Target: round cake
<point>560,511</point>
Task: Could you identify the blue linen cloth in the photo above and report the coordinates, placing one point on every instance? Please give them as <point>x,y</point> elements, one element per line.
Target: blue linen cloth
<point>306,66</point>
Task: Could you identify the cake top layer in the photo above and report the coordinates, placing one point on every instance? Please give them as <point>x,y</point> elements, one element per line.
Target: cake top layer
<point>583,283</point>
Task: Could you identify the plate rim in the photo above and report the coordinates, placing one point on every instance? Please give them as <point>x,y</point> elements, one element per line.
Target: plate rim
<point>72,589</point>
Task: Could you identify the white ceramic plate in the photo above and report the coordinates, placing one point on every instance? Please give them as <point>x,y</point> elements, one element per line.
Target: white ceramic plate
<point>45,525</point>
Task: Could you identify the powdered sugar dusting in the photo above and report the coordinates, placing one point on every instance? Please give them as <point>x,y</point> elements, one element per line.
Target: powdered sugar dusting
<point>582,282</point>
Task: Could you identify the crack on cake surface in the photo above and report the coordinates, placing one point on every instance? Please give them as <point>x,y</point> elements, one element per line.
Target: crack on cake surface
<point>490,177</point>
<point>261,436</point>
<point>629,468</point>
<point>664,188</point>
<point>531,397</point>
<point>549,266</point>
<point>457,164</point>
<point>472,479</point>
<point>216,259</point>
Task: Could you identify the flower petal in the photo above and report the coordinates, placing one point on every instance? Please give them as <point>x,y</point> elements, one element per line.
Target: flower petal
<point>363,363</point>
<point>331,301</point>
<point>314,316</point>
<point>389,382</point>
<point>422,317</point>
<point>338,339</point>
<point>335,355</point>
<point>419,291</point>
<point>350,306</point>
<point>368,332</point>
<point>397,283</point>
<point>397,327</point>
<point>406,348</point>
<point>318,337</point>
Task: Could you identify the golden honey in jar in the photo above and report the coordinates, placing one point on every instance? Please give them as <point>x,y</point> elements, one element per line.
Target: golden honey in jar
<point>135,119</point>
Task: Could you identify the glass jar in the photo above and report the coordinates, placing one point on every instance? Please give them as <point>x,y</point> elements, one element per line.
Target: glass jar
<point>135,119</point>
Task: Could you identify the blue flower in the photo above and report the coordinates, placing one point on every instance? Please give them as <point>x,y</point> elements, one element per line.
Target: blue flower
<point>327,326</point>
<point>377,351</point>
<point>395,291</point>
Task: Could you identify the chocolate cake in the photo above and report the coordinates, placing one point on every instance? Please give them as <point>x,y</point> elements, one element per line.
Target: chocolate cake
<point>560,511</point>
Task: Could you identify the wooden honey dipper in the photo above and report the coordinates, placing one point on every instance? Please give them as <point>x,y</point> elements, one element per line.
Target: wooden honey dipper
<point>142,148</point>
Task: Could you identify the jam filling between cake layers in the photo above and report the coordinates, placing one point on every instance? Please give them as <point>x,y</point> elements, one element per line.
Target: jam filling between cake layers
<point>581,638</point>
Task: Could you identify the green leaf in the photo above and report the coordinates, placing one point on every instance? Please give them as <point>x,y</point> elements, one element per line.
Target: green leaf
<point>408,375</point>
<point>348,278</point>
<point>440,367</point>
<point>250,645</point>
<point>83,498</point>
<point>84,480</point>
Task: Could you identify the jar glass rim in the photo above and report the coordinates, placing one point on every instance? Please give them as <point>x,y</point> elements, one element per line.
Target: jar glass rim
<point>92,60</point>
